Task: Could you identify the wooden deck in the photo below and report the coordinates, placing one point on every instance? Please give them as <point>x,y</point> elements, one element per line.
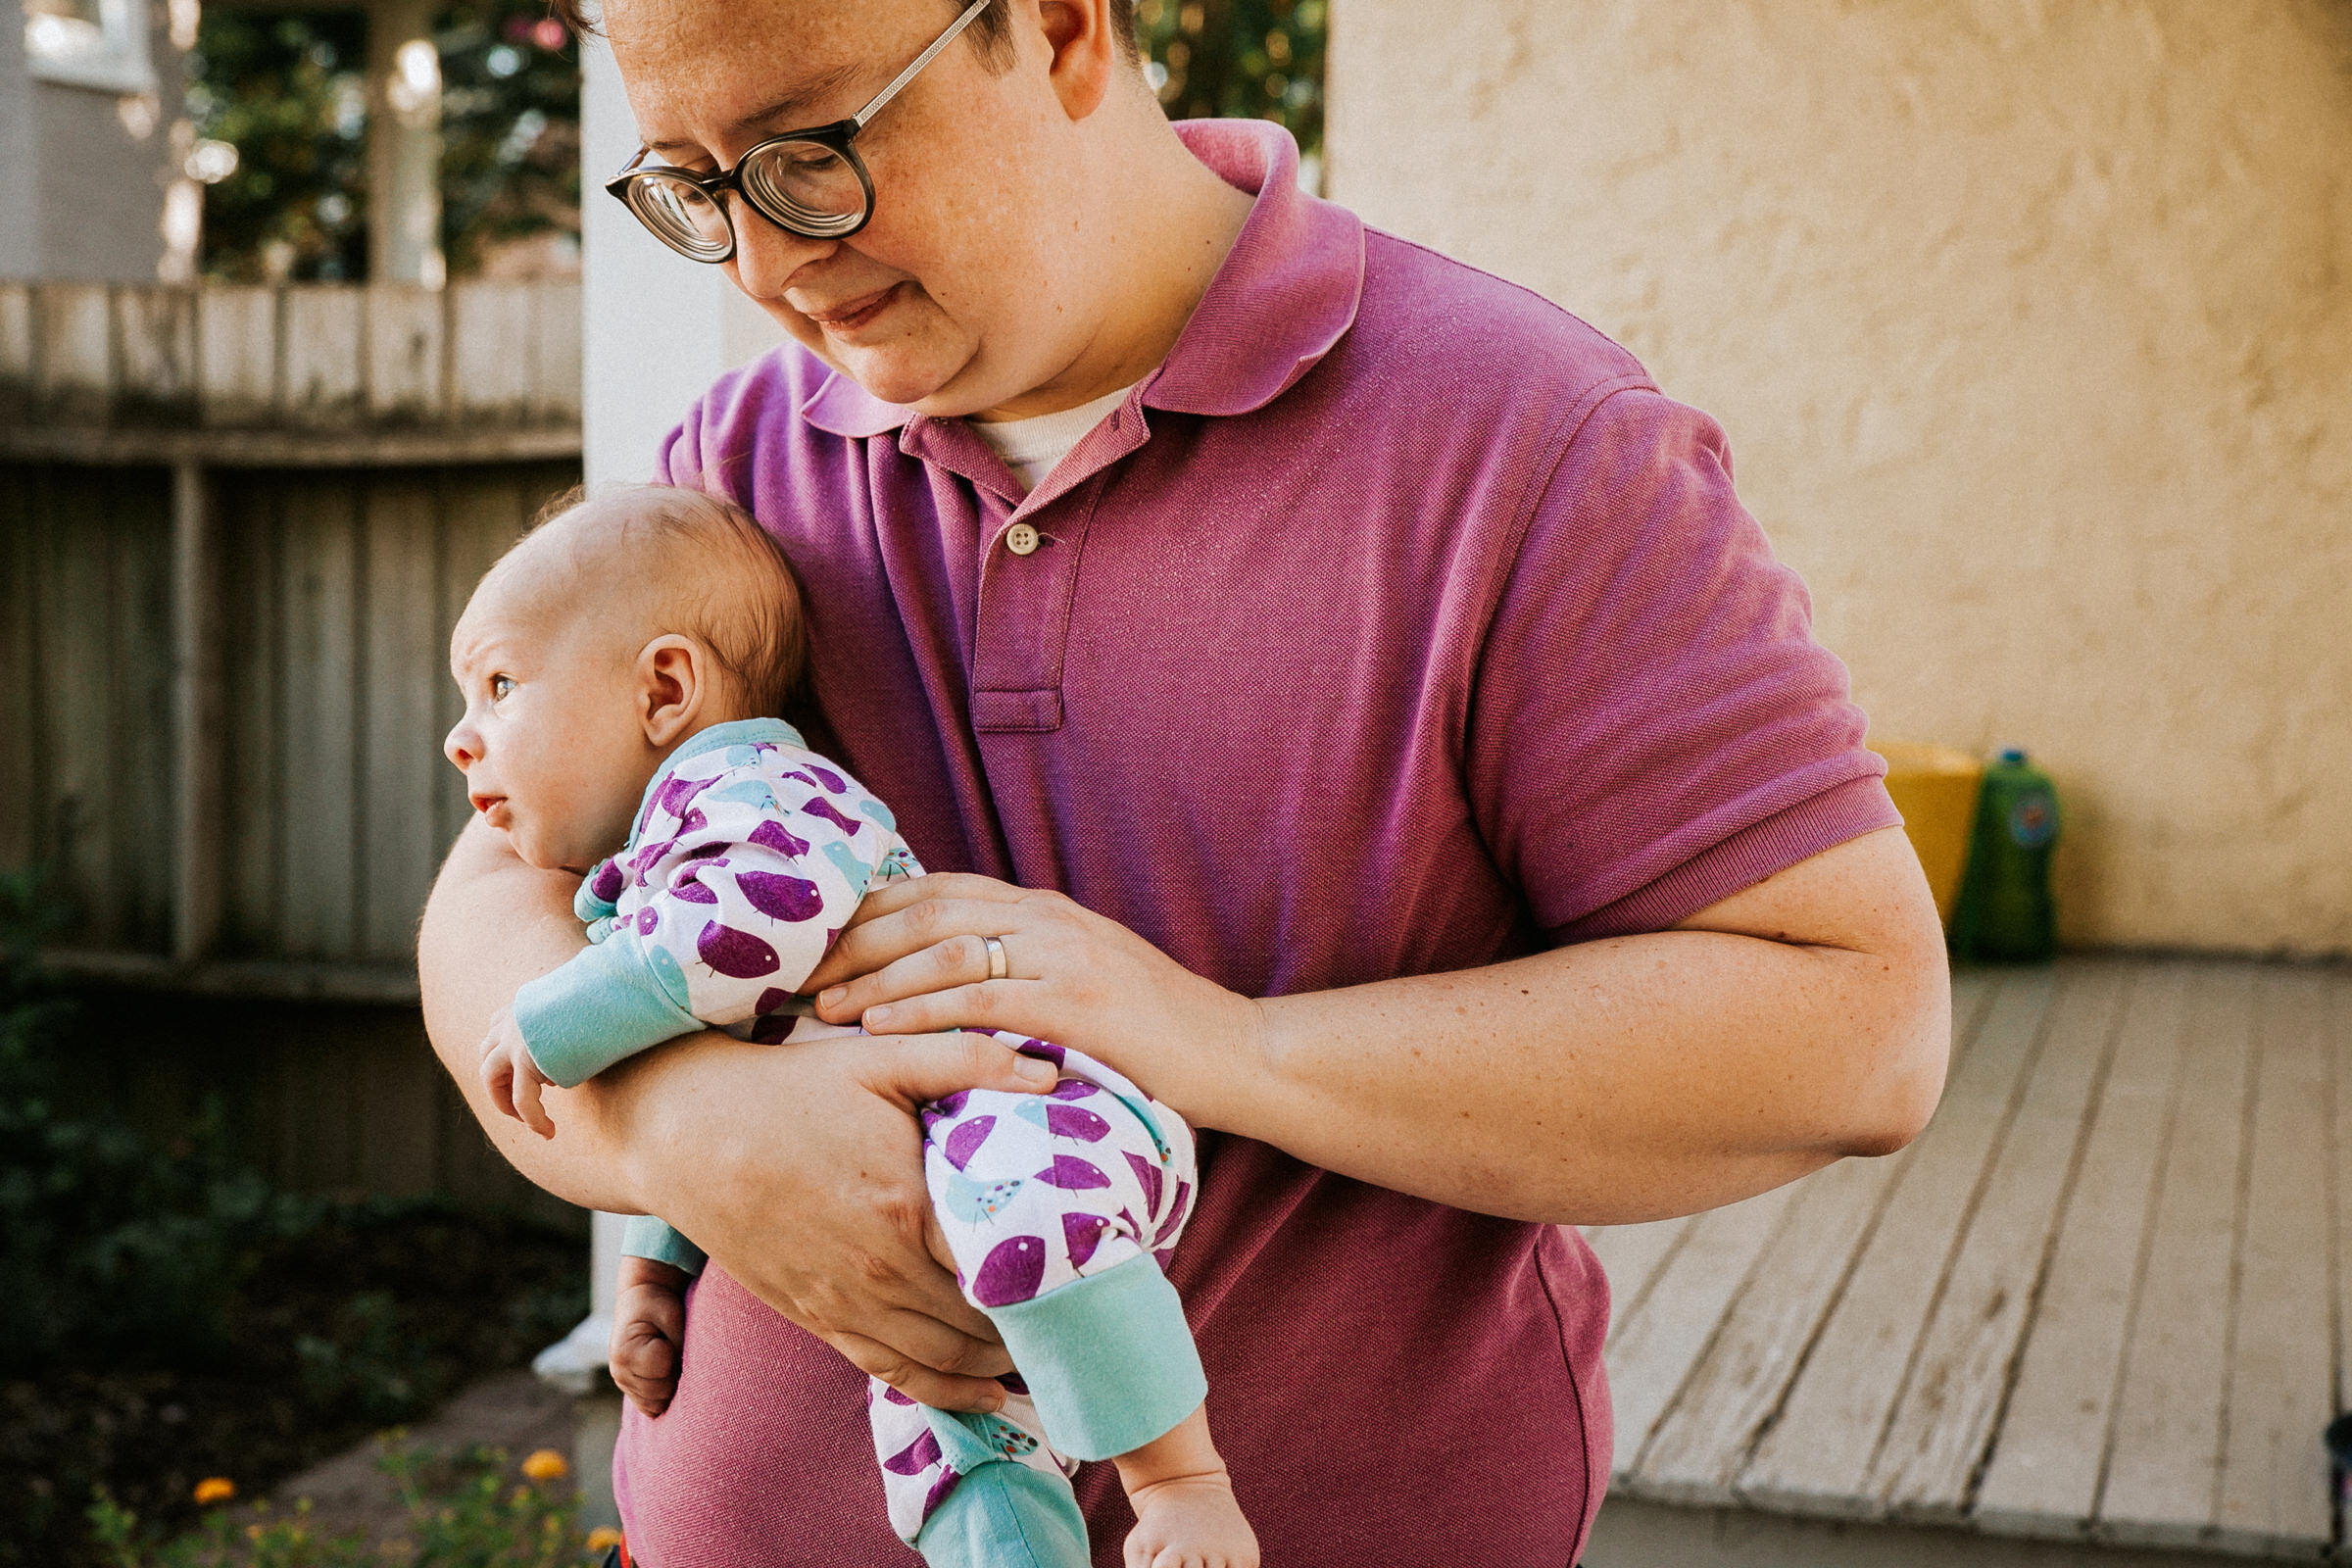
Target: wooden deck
<point>2100,1299</point>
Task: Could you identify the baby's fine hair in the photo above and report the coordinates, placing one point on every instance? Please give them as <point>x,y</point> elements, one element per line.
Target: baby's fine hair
<point>756,624</point>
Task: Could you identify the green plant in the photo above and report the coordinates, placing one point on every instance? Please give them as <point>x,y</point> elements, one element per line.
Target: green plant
<point>464,1511</point>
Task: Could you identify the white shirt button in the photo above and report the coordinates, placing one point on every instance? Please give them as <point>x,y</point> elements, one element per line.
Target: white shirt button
<point>1022,539</point>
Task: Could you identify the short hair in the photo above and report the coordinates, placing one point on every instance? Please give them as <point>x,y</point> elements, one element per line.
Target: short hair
<point>758,629</point>
<point>991,30</point>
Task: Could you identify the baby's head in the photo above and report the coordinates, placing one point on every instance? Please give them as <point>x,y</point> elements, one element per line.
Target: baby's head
<point>620,627</point>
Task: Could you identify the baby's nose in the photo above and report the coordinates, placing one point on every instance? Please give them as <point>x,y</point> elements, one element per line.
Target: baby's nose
<point>461,747</point>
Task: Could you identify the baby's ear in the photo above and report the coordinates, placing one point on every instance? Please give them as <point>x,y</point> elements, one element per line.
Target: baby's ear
<point>672,681</point>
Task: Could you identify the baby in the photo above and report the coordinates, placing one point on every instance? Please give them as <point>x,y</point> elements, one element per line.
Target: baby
<point>617,668</point>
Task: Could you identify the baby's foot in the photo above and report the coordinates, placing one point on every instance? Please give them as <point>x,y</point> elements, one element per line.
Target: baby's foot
<point>1190,1522</point>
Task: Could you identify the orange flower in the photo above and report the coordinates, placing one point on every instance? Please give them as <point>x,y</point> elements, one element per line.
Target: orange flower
<point>603,1538</point>
<point>214,1488</point>
<point>545,1465</point>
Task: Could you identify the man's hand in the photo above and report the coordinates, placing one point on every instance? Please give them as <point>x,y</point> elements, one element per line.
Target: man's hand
<point>800,1169</point>
<point>512,1078</point>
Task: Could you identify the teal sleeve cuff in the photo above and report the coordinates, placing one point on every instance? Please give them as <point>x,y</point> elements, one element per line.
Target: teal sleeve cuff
<point>648,1237</point>
<point>1108,1358</point>
<point>602,1006</point>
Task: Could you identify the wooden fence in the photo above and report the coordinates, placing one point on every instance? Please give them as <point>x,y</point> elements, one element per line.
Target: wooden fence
<point>236,526</point>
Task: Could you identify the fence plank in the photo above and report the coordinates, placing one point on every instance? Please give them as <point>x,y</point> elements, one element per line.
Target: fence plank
<point>1816,1458</point>
<point>74,351</point>
<point>402,774</point>
<point>2044,1475</point>
<point>16,350</point>
<point>2164,1473</point>
<point>21,792</point>
<point>254,525</point>
<point>325,348</point>
<point>406,375</point>
<point>155,345</point>
<point>199,702</point>
<point>494,353</point>
<point>317,784</point>
<point>559,334</point>
<point>1945,1421</point>
<point>2274,1493</point>
<point>137,806</point>
<point>237,370</point>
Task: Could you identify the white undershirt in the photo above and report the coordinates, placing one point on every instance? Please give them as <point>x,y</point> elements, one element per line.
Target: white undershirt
<point>1032,447</point>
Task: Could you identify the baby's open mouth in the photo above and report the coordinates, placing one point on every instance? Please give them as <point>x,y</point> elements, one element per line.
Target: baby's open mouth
<point>492,806</point>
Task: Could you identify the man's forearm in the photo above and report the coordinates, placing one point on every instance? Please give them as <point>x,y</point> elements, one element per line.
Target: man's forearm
<point>1614,1081</point>
<point>492,925</point>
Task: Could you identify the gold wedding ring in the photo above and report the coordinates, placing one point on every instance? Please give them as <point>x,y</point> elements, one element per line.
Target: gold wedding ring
<point>998,969</point>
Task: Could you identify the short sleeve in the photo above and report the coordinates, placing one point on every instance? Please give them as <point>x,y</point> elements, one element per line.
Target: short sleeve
<point>1652,727</point>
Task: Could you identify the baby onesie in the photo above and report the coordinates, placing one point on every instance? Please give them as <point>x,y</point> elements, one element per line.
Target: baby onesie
<point>747,856</point>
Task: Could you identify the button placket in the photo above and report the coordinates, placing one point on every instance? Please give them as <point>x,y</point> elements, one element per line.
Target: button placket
<point>1024,616</point>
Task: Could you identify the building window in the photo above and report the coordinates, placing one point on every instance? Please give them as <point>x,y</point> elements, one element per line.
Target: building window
<point>89,43</point>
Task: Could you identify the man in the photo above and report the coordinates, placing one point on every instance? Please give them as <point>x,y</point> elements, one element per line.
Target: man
<point>1378,729</point>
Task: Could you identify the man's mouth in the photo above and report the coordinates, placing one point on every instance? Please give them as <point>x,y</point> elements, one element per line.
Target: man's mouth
<point>851,315</point>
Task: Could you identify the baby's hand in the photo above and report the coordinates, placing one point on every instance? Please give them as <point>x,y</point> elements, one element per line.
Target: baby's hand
<point>512,1078</point>
<point>649,1324</point>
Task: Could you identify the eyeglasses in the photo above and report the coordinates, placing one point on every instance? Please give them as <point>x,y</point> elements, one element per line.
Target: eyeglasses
<point>807,182</point>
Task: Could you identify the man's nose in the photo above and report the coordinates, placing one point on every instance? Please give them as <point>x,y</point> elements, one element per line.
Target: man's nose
<point>766,256</point>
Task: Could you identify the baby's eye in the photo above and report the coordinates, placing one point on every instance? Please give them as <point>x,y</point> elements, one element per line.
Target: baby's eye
<point>500,685</point>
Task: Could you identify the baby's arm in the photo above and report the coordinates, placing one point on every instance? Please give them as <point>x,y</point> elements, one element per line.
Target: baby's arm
<point>750,875</point>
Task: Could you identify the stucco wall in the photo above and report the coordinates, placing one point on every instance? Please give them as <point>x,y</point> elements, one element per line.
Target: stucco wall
<point>2032,327</point>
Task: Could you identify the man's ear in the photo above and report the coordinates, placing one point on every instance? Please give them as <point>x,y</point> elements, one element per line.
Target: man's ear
<point>673,679</point>
<point>1083,51</point>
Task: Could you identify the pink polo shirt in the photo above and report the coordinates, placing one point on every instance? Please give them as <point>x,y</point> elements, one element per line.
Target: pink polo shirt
<point>1396,624</point>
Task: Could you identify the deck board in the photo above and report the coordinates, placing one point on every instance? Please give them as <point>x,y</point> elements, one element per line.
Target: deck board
<point>2279,1372</point>
<point>1817,1459</point>
<point>2100,1299</point>
<point>1944,1424</point>
<point>2163,1465</point>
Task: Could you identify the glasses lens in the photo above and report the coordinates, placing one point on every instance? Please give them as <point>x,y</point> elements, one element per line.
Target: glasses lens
<point>805,186</point>
<point>682,215</point>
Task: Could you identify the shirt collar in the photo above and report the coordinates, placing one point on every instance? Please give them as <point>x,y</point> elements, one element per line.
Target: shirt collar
<point>1286,294</point>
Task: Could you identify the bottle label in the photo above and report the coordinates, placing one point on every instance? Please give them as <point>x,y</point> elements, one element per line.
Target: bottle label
<point>2032,821</point>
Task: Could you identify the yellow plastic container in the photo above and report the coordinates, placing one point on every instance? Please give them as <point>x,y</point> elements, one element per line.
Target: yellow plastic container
<point>1935,787</point>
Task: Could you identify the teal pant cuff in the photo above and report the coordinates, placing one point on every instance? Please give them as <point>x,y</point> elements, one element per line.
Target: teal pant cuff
<point>646,1237</point>
<point>1005,1515</point>
<point>1108,1358</point>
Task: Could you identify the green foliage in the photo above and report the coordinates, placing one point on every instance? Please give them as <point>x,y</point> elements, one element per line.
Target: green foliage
<point>464,1511</point>
<point>288,90</point>
<point>1261,59</point>
<point>109,1246</point>
<point>510,129</point>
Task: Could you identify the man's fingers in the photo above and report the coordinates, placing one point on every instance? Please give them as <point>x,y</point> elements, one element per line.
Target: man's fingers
<point>877,938</point>
<point>941,1347</point>
<point>929,1068</point>
<point>938,1390</point>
